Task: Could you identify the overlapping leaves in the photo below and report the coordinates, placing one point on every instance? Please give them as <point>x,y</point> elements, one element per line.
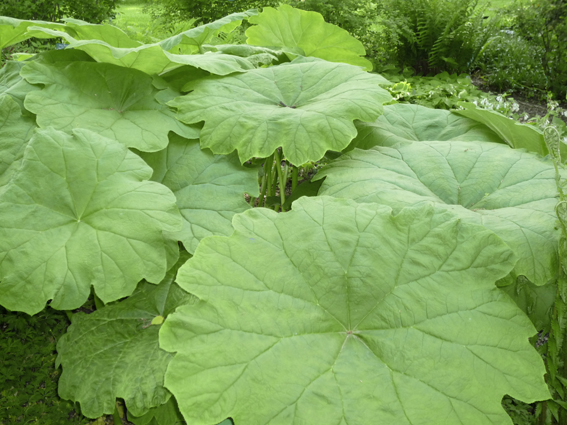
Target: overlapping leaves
<point>510,192</point>
<point>116,102</point>
<point>362,317</point>
<point>209,188</point>
<point>78,214</point>
<point>102,352</point>
<point>307,107</point>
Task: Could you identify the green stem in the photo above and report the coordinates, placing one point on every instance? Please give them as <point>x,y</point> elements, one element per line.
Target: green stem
<point>281,178</point>
<point>116,416</point>
<point>69,314</point>
<point>98,302</point>
<point>541,419</point>
<point>294,173</point>
<point>268,165</point>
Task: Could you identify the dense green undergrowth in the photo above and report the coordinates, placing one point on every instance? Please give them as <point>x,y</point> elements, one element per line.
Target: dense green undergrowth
<point>416,278</point>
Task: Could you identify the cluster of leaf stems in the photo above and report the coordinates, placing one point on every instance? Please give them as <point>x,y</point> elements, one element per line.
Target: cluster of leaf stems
<point>555,355</point>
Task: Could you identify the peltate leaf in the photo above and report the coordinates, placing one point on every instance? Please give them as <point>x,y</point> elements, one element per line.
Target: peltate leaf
<point>15,132</point>
<point>114,352</point>
<point>511,192</point>
<point>209,188</point>
<point>305,33</point>
<point>306,106</point>
<point>411,123</point>
<point>341,313</point>
<point>79,213</point>
<point>515,134</point>
<point>115,102</point>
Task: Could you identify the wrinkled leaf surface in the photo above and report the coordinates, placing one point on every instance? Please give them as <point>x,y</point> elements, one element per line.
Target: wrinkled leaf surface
<point>114,352</point>
<point>79,213</point>
<point>342,313</point>
<point>307,107</point>
<point>508,191</point>
<point>209,188</point>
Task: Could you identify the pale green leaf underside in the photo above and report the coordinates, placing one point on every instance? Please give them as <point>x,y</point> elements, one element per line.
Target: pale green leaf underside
<point>14,31</point>
<point>511,192</point>
<point>415,123</point>
<point>306,33</point>
<point>76,214</point>
<point>209,188</point>
<point>515,134</point>
<point>152,58</point>
<point>342,313</point>
<point>307,106</point>
<point>114,352</point>
<point>15,132</point>
<point>115,102</point>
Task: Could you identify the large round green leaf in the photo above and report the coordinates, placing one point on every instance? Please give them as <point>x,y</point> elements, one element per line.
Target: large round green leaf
<point>341,313</point>
<point>115,102</point>
<point>78,213</point>
<point>15,132</point>
<point>305,33</point>
<point>209,188</point>
<point>114,352</point>
<point>412,123</point>
<point>307,106</point>
<point>508,191</point>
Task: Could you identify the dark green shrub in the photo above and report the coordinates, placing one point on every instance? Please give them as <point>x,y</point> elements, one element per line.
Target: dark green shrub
<point>431,36</point>
<point>204,10</point>
<point>94,11</point>
<point>355,16</point>
<point>511,63</point>
<point>544,24</point>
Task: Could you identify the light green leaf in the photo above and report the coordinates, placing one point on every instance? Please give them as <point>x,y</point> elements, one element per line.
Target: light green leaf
<point>152,58</point>
<point>515,134</point>
<point>305,33</point>
<point>79,213</point>
<point>115,102</point>
<point>14,31</point>
<point>307,107</point>
<point>209,188</point>
<point>114,352</point>
<point>411,123</point>
<point>511,192</point>
<point>15,132</point>
<point>341,313</point>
